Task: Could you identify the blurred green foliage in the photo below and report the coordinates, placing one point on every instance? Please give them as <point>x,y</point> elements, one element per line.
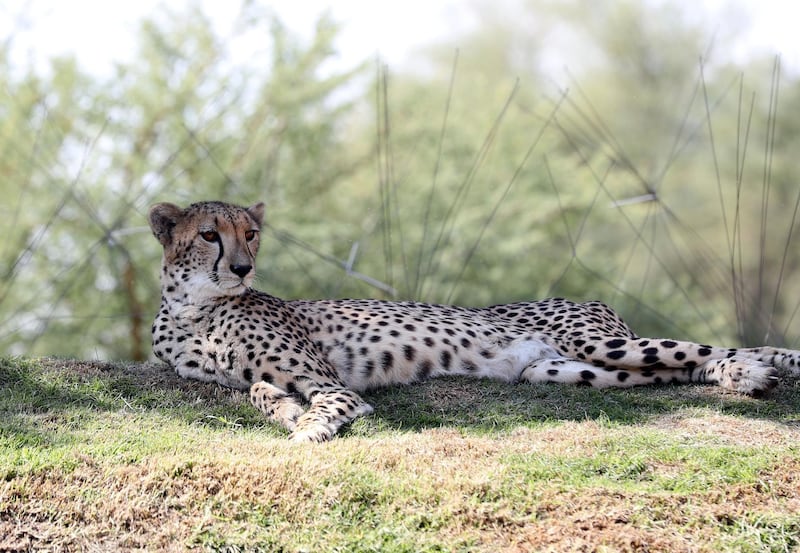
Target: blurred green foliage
<point>662,185</point>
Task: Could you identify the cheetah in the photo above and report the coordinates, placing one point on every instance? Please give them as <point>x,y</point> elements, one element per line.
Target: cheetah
<point>305,362</point>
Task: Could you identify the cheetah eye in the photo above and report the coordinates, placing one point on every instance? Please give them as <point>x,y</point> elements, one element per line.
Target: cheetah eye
<point>250,234</point>
<point>209,235</point>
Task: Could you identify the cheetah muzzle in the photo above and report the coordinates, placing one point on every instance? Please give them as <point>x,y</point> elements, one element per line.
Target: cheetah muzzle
<point>304,362</point>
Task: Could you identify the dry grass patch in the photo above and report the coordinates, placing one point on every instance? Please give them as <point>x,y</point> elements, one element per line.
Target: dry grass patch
<point>727,429</point>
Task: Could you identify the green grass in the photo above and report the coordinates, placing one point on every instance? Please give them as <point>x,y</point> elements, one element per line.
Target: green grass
<point>123,457</point>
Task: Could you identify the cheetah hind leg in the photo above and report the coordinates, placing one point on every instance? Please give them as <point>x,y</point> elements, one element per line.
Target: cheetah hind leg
<point>739,374</point>
<point>276,404</point>
<point>571,371</point>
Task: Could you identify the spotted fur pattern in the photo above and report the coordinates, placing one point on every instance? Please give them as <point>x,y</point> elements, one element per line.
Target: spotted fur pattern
<point>304,362</point>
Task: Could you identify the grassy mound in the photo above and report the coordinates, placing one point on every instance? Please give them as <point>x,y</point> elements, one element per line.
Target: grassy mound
<point>110,456</point>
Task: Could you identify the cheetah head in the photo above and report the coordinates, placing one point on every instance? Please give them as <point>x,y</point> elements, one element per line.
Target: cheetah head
<point>209,248</point>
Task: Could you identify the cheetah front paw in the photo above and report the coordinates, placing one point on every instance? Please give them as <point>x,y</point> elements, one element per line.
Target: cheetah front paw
<point>276,404</point>
<point>311,434</point>
<point>287,414</point>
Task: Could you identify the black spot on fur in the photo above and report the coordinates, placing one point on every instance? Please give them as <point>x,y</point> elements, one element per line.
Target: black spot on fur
<point>423,369</point>
<point>369,368</point>
<point>616,344</point>
<point>469,366</point>
<point>387,361</point>
<point>444,359</point>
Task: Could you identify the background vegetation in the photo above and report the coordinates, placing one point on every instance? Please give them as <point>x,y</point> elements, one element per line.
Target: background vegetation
<point>655,177</point>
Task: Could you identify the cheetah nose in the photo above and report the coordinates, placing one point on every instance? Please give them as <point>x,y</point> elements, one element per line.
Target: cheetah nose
<point>241,270</point>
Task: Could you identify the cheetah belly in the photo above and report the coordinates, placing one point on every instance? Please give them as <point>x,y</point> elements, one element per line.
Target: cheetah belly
<point>395,361</point>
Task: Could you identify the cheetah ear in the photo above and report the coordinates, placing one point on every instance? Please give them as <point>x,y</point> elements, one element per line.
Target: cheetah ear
<point>257,212</point>
<point>163,218</point>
